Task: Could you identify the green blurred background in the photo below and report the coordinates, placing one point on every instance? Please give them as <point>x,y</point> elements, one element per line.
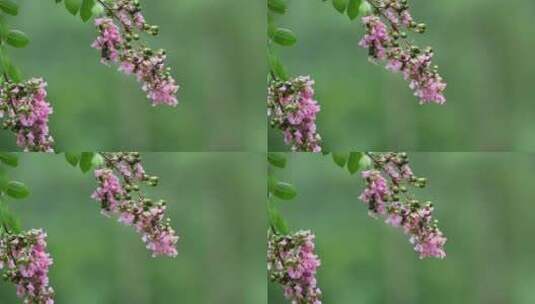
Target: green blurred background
<point>483,49</point>
<point>214,205</point>
<point>484,202</point>
<point>217,55</point>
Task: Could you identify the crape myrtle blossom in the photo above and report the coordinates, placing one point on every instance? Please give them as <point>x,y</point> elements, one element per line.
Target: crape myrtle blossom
<point>25,111</point>
<point>119,44</point>
<point>292,263</point>
<point>119,194</point>
<point>385,39</point>
<point>25,262</point>
<point>293,110</point>
<point>386,195</point>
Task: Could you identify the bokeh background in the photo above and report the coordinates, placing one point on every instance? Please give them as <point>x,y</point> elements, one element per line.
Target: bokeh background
<point>482,49</point>
<point>214,203</point>
<point>484,202</point>
<point>218,57</point>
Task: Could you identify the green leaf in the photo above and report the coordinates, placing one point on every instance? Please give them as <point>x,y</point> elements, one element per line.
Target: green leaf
<point>340,5</point>
<point>277,6</point>
<point>285,191</point>
<point>9,159</point>
<point>340,159</point>
<point>272,183</point>
<point>9,7</point>
<point>278,68</point>
<point>365,8</point>
<point>73,6</point>
<point>277,159</point>
<point>13,72</point>
<point>17,190</point>
<point>8,220</point>
<point>277,221</point>
<point>98,9</point>
<point>284,37</point>
<point>72,158</point>
<point>366,162</point>
<point>353,9</point>
<point>97,160</point>
<point>86,161</point>
<point>353,163</point>
<point>17,39</point>
<point>4,180</point>
<point>86,11</point>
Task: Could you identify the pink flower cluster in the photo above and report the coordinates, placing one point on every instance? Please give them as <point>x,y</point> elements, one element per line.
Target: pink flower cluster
<point>388,197</point>
<point>417,222</point>
<point>26,112</point>
<point>26,264</point>
<point>122,198</point>
<point>119,47</point>
<point>389,44</point>
<point>293,110</point>
<point>293,264</point>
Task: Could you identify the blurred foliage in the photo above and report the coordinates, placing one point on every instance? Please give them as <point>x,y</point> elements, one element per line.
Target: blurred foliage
<point>213,203</point>
<point>482,49</point>
<point>484,204</point>
<point>217,55</point>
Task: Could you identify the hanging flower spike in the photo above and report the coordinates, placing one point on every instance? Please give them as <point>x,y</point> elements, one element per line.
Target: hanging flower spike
<point>293,264</point>
<point>386,194</point>
<point>388,43</point>
<point>120,195</point>
<point>26,112</point>
<point>133,57</point>
<point>26,264</point>
<point>293,110</point>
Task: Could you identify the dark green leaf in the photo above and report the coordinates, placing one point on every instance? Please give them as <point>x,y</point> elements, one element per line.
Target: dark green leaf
<point>278,68</point>
<point>86,161</point>
<point>353,9</point>
<point>353,163</point>
<point>17,39</point>
<point>4,180</point>
<point>73,6</point>
<point>9,7</point>
<point>340,5</point>
<point>8,220</point>
<point>340,159</point>
<point>72,158</point>
<point>277,159</point>
<point>9,159</point>
<point>13,72</point>
<point>284,37</point>
<point>86,11</point>
<point>285,191</point>
<point>17,190</point>
<point>277,221</point>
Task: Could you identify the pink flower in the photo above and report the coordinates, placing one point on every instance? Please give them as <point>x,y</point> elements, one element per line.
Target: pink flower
<point>388,43</point>
<point>377,38</point>
<point>110,40</point>
<point>293,263</point>
<point>292,108</point>
<point>376,192</point>
<point>385,195</point>
<point>135,58</point>
<point>26,262</point>
<point>27,113</point>
<point>118,182</point>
